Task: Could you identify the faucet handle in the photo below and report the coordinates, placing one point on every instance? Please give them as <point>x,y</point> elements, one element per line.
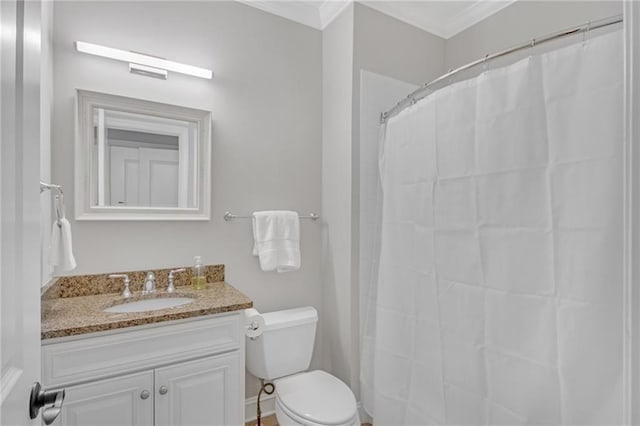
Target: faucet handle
<point>126,293</point>
<point>170,287</point>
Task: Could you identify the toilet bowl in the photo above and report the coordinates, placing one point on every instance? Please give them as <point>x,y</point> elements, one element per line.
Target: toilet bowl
<point>315,398</point>
<point>281,353</point>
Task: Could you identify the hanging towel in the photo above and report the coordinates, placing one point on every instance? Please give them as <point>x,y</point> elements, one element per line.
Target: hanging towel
<point>276,237</point>
<point>61,250</point>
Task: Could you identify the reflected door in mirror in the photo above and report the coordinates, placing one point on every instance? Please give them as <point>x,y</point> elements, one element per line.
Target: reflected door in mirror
<point>144,161</point>
<point>143,177</point>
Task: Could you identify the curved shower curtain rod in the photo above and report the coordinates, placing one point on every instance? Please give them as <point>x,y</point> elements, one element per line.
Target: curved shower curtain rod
<point>418,94</point>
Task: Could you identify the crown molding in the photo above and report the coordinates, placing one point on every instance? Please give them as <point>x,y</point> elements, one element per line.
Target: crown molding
<point>320,13</point>
<point>434,20</point>
<point>330,10</point>
<point>478,11</point>
<point>303,12</point>
<point>430,22</point>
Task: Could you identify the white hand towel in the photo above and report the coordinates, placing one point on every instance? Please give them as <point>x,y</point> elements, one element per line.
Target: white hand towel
<point>276,237</point>
<point>61,249</point>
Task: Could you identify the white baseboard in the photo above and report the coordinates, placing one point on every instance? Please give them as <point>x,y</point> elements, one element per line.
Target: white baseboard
<point>267,405</point>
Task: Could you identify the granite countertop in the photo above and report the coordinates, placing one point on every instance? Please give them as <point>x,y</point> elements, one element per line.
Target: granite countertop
<point>70,316</point>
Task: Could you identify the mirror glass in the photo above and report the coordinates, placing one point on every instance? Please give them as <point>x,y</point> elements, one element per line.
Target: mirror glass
<point>141,160</point>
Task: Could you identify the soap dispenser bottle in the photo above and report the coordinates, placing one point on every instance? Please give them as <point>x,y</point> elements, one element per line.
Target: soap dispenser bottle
<point>198,279</point>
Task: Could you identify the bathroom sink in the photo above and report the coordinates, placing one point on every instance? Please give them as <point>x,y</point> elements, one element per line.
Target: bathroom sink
<point>150,304</point>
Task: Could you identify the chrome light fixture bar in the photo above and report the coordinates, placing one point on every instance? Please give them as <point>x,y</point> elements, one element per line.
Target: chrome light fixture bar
<point>157,64</point>
<point>148,71</point>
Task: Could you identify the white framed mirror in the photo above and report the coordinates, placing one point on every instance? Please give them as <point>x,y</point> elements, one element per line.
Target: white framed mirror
<point>141,160</point>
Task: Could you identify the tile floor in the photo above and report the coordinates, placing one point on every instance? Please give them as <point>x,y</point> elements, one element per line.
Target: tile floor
<point>266,421</point>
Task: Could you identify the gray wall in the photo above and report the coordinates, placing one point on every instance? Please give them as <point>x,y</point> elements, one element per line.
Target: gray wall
<point>266,100</point>
<point>387,46</point>
<point>520,22</point>
<point>337,64</point>
<point>390,47</point>
<point>359,39</point>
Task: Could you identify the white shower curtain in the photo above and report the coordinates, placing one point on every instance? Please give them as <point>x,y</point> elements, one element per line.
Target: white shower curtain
<point>499,295</point>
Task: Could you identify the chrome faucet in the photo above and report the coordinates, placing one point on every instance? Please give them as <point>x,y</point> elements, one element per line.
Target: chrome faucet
<point>126,293</point>
<point>149,283</point>
<point>170,287</point>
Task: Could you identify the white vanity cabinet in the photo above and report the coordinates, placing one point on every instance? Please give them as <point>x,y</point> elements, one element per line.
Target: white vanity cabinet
<point>178,373</point>
<point>196,392</point>
<point>117,401</point>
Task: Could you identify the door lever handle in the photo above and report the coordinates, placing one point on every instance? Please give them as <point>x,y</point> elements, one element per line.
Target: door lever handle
<point>51,413</point>
<point>39,398</point>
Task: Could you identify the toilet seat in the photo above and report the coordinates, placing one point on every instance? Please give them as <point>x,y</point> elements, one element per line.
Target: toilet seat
<point>316,398</point>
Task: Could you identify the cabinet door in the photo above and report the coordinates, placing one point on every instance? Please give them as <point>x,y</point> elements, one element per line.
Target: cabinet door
<point>200,392</point>
<point>119,401</point>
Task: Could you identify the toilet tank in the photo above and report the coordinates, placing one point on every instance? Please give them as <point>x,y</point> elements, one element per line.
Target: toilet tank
<point>286,344</point>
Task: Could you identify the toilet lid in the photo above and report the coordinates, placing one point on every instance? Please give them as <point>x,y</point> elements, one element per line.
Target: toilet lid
<point>317,396</point>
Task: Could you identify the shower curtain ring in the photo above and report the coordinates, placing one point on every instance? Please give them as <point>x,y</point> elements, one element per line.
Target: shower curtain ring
<point>484,61</point>
<point>586,32</point>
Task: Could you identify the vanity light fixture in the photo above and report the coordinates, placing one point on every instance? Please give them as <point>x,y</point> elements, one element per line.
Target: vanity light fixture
<point>143,64</point>
<point>148,71</point>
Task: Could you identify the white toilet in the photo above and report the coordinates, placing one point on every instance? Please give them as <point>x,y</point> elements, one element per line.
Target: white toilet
<point>281,354</point>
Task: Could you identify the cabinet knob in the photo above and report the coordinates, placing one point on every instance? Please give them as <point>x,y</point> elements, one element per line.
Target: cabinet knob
<point>163,390</point>
<point>144,394</point>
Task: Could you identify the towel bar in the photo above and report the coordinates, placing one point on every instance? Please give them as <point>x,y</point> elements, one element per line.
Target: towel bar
<point>229,216</point>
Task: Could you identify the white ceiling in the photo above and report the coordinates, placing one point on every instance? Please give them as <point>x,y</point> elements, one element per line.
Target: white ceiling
<point>444,18</point>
